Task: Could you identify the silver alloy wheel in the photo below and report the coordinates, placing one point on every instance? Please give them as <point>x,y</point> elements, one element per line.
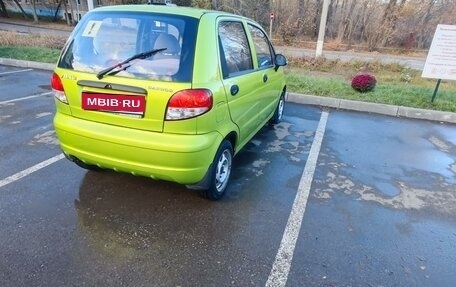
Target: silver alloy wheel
<point>223,171</point>
<point>280,108</point>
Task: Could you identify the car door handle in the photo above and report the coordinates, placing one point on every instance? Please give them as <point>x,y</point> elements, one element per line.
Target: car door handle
<point>234,90</point>
<point>265,78</point>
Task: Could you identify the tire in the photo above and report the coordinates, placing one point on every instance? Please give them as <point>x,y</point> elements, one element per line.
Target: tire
<point>278,114</point>
<point>220,172</point>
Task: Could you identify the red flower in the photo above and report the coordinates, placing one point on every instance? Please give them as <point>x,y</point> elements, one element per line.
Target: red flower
<point>363,83</point>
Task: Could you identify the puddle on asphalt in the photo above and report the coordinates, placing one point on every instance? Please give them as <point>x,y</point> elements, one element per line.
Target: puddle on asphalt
<point>45,87</point>
<point>388,189</point>
<point>446,147</point>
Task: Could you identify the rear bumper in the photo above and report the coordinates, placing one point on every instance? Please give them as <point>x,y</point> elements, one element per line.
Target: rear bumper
<point>184,159</point>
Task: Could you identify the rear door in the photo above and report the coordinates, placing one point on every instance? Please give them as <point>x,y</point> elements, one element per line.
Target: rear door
<point>240,83</point>
<point>272,79</point>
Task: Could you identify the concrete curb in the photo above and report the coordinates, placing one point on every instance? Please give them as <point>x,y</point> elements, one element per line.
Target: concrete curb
<point>389,110</point>
<point>27,64</point>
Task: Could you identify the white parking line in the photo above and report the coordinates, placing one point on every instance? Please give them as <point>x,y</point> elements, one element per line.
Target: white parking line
<point>15,72</point>
<point>25,98</point>
<point>30,170</point>
<point>279,272</point>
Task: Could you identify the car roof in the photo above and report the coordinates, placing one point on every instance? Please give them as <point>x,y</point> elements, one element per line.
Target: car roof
<point>176,10</point>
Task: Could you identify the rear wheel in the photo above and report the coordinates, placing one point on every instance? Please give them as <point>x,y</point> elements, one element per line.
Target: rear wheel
<point>278,114</point>
<point>220,172</point>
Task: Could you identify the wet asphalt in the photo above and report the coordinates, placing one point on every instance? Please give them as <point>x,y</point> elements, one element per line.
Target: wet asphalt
<point>381,209</point>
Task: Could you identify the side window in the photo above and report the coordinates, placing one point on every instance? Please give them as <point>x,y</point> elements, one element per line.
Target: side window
<point>235,55</point>
<point>262,47</point>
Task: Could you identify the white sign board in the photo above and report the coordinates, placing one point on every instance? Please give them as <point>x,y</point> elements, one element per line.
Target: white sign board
<point>441,59</point>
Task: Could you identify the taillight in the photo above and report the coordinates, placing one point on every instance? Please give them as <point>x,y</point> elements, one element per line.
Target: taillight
<point>57,88</point>
<point>189,104</point>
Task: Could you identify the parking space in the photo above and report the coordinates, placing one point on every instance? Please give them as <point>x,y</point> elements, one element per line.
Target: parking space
<point>380,212</point>
<point>383,205</point>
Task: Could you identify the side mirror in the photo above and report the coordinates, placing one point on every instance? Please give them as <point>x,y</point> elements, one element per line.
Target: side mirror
<point>280,61</point>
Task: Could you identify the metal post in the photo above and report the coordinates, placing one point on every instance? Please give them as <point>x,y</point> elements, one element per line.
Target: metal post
<point>272,9</point>
<point>270,28</point>
<point>78,3</point>
<point>89,5</point>
<point>321,32</point>
<point>436,89</point>
<point>271,20</point>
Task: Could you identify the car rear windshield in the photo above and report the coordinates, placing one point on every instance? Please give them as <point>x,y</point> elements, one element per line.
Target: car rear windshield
<point>104,39</point>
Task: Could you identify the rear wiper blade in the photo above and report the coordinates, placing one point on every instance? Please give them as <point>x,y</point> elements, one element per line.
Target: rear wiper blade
<point>142,55</point>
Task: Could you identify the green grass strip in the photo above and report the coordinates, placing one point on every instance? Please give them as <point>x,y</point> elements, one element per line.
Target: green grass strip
<point>37,54</point>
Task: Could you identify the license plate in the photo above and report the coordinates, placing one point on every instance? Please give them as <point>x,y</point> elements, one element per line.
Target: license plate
<point>115,103</point>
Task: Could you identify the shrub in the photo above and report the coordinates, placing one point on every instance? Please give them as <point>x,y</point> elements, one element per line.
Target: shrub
<point>363,82</point>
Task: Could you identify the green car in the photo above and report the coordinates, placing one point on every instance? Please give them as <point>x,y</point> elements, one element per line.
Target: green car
<point>170,93</point>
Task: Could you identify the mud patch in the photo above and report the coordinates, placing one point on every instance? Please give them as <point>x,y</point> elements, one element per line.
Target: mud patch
<point>259,165</point>
<point>453,167</point>
<point>293,146</point>
<point>6,104</point>
<point>282,130</point>
<point>3,118</point>
<point>440,144</point>
<point>47,138</point>
<point>440,197</point>
<point>40,115</point>
<point>288,142</point>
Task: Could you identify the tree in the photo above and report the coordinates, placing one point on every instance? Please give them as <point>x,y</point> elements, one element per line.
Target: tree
<point>3,10</point>
<point>372,23</point>
<point>35,16</point>
<point>22,9</point>
<point>183,2</point>
<point>205,4</point>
